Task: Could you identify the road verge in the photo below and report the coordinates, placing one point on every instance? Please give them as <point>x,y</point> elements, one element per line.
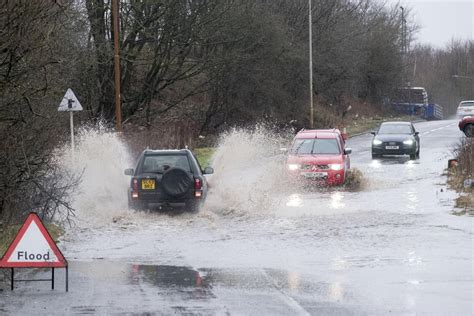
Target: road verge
<point>460,174</point>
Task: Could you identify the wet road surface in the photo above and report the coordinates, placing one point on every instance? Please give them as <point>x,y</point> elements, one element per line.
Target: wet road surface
<point>393,248</point>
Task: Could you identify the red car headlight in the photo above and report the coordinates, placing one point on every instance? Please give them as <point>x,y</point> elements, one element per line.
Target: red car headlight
<point>293,166</point>
<point>335,166</point>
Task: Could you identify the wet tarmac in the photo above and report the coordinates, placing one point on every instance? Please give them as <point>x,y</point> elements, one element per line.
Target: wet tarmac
<point>393,248</point>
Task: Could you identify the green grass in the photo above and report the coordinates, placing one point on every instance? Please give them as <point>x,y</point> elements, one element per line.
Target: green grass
<point>9,232</point>
<point>204,155</point>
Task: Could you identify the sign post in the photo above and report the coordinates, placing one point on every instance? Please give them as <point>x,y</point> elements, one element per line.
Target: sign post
<point>70,104</point>
<point>33,247</point>
<point>71,124</point>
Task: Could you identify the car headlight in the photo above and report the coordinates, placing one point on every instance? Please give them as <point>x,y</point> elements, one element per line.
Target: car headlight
<point>377,142</point>
<point>408,142</point>
<point>335,166</point>
<point>293,166</point>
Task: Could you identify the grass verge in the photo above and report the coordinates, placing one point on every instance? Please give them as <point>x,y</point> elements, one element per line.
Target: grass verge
<point>204,155</point>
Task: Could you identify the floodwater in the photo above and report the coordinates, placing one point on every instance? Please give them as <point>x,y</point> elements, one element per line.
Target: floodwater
<point>262,245</point>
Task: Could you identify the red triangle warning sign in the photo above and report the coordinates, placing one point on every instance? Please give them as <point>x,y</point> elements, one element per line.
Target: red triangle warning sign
<point>33,247</point>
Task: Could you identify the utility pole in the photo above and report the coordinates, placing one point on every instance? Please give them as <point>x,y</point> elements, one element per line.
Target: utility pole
<point>118,107</point>
<point>311,111</point>
<point>404,48</point>
<point>404,33</point>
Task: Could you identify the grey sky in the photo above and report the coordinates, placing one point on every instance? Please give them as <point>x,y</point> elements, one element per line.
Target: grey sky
<point>441,20</point>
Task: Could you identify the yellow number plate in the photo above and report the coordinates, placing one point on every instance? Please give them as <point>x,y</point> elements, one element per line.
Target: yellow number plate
<point>148,184</point>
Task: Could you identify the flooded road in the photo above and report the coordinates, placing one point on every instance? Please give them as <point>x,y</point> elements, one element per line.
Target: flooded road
<point>395,247</point>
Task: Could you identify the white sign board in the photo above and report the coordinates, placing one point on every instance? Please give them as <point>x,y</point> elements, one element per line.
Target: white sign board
<point>33,247</point>
<point>70,102</point>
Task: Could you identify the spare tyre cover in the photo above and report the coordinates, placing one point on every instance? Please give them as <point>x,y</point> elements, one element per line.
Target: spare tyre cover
<point>176,182</point>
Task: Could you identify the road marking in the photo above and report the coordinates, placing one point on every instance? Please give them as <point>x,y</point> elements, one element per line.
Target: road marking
<point>437,129</point>
<point>288,299</point>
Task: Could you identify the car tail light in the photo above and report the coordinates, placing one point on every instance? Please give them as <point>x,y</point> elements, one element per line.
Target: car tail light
<point>135,188</point>
<point>197,188</point>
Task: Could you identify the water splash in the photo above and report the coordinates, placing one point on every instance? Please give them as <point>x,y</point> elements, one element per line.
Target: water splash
<point>100,156</point>
<point>248,170</point>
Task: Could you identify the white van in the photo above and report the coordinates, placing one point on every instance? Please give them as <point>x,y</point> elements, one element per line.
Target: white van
<point>465,108</point>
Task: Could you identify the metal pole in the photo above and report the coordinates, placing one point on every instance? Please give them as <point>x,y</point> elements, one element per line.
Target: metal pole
<point>311,111</point>
<point>71,123</point>
<point>67,278</point>
<point>52,278</point>
<point>118,109</point>
<point>12,279</point>
<point>403,50</point>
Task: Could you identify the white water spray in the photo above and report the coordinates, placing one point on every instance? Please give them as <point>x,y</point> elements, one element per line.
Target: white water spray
<point>101,157</point>
<point>248,171</point>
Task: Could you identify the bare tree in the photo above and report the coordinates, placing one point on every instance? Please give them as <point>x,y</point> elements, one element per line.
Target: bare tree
<point>30,70</point>
<point>162,44</point>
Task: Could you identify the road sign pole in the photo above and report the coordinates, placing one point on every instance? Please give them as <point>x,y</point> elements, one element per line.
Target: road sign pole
<point>71,121</point>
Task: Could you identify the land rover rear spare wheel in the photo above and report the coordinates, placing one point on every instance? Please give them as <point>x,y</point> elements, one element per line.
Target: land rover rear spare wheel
<point>176,182</point>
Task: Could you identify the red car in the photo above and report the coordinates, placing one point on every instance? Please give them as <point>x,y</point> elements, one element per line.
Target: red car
<point>467,126</point>
<point>319,156</point>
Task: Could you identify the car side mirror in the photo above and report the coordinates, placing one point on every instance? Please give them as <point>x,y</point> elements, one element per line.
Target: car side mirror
<point>373,133</point>
<point>417,133</point>
<point>348,151</point>
<point>208,170</point>
<point>129,172</point>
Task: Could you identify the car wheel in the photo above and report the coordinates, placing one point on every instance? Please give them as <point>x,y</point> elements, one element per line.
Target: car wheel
<point>418,154</point>
<point>375,156</point>
<point>177,182</point>
<point>412,156</point>
<point>469,130</point>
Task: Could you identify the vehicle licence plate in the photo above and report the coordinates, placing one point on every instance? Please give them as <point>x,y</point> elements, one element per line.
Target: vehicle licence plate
<point>391,147</point>
<point>148,184</point>
<point>312,175</point>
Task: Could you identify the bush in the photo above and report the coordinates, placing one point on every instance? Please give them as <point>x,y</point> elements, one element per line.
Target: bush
<point>463,171</point>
